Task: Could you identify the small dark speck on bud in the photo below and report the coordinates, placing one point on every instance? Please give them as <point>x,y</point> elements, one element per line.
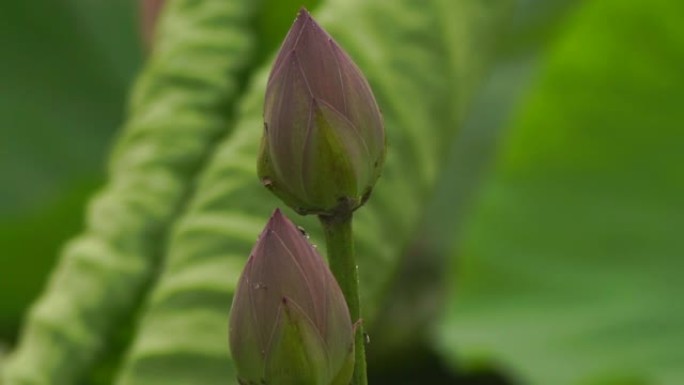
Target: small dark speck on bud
<point>304,233</point>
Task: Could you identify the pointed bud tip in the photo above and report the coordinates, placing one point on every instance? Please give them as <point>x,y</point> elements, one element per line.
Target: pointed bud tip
<point>303,17</point>
<point>303,12</point>
<point>277,220</point>
<point>277,213</point>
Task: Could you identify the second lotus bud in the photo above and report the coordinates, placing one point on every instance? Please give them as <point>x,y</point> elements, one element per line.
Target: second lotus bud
<point>324,141</point>
<point>289,324</point>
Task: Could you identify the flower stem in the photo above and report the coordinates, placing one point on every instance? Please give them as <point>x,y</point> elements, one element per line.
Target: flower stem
<point>342,261</point>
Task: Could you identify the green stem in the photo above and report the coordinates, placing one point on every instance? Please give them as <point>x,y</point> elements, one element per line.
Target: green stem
<point>340,245</point>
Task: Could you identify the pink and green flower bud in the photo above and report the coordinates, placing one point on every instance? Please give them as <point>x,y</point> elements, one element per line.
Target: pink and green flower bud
<point>324,141</point>
<point>149,16</point>
<point>289,323</point>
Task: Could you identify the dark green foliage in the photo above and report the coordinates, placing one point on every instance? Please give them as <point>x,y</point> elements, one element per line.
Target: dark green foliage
<point>570,269</point>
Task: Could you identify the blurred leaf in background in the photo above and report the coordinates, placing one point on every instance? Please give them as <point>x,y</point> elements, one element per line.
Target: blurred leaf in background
<point>65,72</point>
<point>418,293</point>
<point>569,269</point>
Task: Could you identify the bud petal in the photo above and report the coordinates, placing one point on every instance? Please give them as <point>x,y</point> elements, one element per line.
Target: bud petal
<point>289,323</point>
<point>324,140</point>
<point>297,354</point>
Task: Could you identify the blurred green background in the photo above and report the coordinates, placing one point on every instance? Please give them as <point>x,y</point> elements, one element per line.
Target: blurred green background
<point>65,72</point>
<point>561,211</point>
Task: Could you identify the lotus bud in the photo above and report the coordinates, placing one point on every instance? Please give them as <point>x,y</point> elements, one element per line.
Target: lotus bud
<point>149,16</point>
<point>289,323</point>
<point>324,142</point>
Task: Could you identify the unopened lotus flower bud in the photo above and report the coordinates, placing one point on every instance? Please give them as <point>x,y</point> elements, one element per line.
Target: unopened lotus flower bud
<point>149,15</point>
<point>289,324</point>
<point>324,142</point>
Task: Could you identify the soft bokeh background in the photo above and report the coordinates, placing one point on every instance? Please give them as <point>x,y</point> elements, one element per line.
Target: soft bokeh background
<point>562,210</point>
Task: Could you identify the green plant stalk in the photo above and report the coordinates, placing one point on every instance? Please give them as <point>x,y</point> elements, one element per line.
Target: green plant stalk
<point>342,261</point>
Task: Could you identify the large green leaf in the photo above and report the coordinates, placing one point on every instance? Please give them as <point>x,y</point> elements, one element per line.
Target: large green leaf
<point>417,293</point>
<point>569,270</point>
<point>180,107</point>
